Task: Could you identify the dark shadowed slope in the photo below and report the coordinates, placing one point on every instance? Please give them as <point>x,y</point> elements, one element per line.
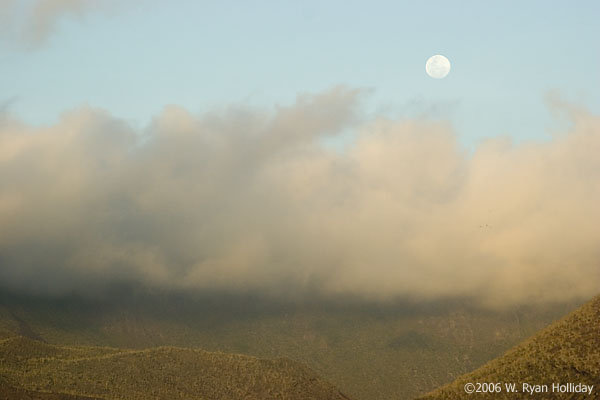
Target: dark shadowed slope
<point>568,351</point>
<point>159,373</point>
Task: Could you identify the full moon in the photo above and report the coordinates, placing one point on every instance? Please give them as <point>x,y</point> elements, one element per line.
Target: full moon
<point>437,66</point>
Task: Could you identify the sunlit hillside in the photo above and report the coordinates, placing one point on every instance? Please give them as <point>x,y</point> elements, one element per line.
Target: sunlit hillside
<point>566,352</point>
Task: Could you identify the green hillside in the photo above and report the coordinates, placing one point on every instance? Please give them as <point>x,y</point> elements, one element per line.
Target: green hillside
<point>568,351</point>
<point>158,373</point>
<point>371,352</point>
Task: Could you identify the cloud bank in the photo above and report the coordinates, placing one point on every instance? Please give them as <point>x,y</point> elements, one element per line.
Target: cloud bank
<point>248,200</point>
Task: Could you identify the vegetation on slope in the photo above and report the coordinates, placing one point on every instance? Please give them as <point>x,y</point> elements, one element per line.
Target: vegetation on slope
<point>568,351</point>
<point>8,392</point>
<point>161,373</point>
<point>371,352</point>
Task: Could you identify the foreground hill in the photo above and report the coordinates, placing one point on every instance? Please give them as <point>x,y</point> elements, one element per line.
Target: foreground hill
<point>370,351</point>
<point>568,351</point>
<point>8,392</point>
<point>30,366</point>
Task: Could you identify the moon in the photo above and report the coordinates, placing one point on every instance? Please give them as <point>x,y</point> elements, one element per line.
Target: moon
<point>437,66</point>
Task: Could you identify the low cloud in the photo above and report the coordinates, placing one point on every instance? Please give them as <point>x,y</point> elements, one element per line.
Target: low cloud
<point>248,200</point>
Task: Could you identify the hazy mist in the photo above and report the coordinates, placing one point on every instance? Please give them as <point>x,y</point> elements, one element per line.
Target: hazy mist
<point>245,199</point>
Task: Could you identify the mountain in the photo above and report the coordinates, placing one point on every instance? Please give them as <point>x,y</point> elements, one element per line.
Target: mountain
<point>567,352</point>
<point>157,373</point>
<point>370,351</point>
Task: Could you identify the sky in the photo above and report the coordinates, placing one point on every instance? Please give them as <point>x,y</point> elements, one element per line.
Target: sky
<point>134,57</point>
<point>296,149</point>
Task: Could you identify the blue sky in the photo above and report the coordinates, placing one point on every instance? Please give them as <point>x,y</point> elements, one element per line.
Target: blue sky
<point>133,58</point>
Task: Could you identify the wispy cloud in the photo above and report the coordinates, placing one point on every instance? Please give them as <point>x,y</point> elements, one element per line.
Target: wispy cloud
<point>32,23</point>
<point>6,104</point>
<point>247,199</point>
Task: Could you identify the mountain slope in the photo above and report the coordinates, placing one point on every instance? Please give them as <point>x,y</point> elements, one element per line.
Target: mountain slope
<point>370,351</point>
<point>568,351</point>
<point>158,373</point>
<point>8,392</point>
